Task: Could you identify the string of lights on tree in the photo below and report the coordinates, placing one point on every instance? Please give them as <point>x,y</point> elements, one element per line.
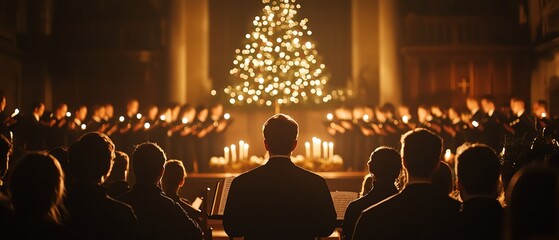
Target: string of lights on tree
<point>279,64</point>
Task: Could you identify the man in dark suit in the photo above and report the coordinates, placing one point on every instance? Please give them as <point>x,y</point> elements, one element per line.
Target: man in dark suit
<point>493,124</point>
<point>478,175</point>
<point>279,200</point>
<point>476,117</point>
<point>385,165</point>
<point>34,129</point>
<point>522,122</point>
<point>420,209</point>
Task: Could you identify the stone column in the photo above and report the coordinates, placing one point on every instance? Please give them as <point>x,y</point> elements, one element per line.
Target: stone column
<point>177,51</point>
<point>389,69</point>
<point>365,50</point>
<point>198,84</point>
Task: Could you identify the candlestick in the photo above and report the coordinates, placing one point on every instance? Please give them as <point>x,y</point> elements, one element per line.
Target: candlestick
<point>325,150</point>
<point>331,150</point>
<point>184,120</point>
<point>147,125</point>
<point>68,114</point>
<point>139,115</point>
<point>314,147</point>
<point>233,153</point>
<point>121,118</point>
<point>227,116</point>
<point>307,150</point>
<point>241,150</point>
<point>83,126</point>
<point>366,118</point>
<point>329,116</point>
<point>162,117</point>
<point>226,154</point>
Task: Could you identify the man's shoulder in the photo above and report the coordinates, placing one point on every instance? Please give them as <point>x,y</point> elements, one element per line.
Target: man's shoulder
<point>117,206</point>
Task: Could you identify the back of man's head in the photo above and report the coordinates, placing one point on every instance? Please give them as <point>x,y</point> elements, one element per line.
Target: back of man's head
<point>173,176</point>
<point>147,162</point>
<point>421,152</point>
<point>280,134</point>
<point>385,164</point>
<point>90,156</point>
<point>478,170</point>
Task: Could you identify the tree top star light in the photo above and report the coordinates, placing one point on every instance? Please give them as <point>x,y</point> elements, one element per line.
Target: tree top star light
<point>279,64</point>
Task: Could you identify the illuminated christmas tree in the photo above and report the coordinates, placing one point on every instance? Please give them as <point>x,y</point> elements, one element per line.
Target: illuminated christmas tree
<point>279,64</point>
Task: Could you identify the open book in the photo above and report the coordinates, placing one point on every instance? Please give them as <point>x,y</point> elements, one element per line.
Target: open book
<point>220,197</point>
<point>341,201</point>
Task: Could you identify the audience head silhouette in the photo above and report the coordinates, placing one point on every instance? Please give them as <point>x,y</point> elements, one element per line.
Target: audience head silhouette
<point>90,157</point>
<point>280,134</point>
<point>385,164</point>
<point>173,177</point>
<point>147,161</point>
<point>533,197</point>
<point>421,152</point>
<point>478,171</point>
<point>37,187</point>
<point>442,178</point>
<point>119,168</point>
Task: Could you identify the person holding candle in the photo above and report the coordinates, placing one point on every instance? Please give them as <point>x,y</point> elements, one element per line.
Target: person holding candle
<point>278,198</point>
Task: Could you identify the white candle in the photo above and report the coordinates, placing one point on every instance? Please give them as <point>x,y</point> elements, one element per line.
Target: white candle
<point>447,155</point>
<point>233,153</point>
<point>246,151</point>
<point>325,150</point>
<point>314,148</point>
<point>331,150</point>
<point>307,150</point>
<point>241,150</point>
<point>226,154</point>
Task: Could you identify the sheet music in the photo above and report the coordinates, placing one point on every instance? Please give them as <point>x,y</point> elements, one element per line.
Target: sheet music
<point>225,193</point>
<point>341,201</point>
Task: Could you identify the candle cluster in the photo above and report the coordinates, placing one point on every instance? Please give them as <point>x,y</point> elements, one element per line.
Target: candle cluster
<point>320,149</point>
<point>236,153</point>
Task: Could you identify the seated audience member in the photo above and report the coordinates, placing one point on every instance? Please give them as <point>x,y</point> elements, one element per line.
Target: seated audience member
<point>385,165</point>
<point>37,188</point>
<point>478,179</point>
<point>419,209</point>
<point>279,200</point>
<point>366,185</point>
<point>442,179</point>
<point>93,214</point>
<point>116,183</point>
<point>172,181</point>
<point>159,216</point>
<point>533,203</point>
<point>61,154</point>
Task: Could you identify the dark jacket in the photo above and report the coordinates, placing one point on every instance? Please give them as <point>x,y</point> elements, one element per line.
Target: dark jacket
<point>415,213</point>
<point>279,201</point>
<point>378,193</point>
<point>159,216</point>
<point>94,215</point>
<point>480,218</point>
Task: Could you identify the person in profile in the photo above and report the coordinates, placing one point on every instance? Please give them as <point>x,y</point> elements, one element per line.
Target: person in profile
<point>478,178</point>
<point>159,216</point>
<point>419,210</point>
<point>279,200</point>
<point>93,214</point>
<point>385,165</point>
<point>37,188</point>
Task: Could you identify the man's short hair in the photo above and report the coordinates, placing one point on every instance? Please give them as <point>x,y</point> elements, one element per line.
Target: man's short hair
<point>120,163</point>
<point>478,169</point>
<point>90,156</point>
<point>421,151</point>
<point>174,173</point>
<point>488,98</point>
<point>147,162</point>
<point>280,133</point>
<point>385,164</point>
